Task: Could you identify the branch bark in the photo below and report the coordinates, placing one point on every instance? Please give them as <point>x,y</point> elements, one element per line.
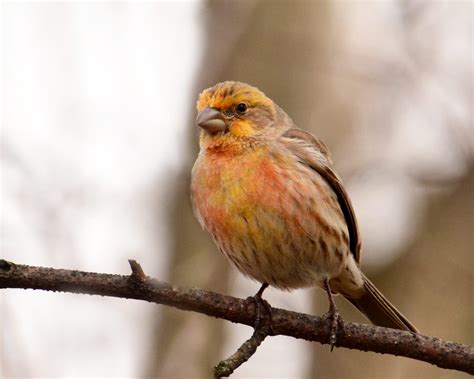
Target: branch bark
<point>137,286</point>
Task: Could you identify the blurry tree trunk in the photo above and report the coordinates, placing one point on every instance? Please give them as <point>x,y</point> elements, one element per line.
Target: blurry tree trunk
<point>187,344</point>
<point>254,42</point>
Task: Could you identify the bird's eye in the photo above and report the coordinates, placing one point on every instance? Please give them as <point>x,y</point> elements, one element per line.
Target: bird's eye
<point>241,107</point>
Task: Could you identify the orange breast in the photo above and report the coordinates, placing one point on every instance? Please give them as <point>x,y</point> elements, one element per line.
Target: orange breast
<point>267,214</point>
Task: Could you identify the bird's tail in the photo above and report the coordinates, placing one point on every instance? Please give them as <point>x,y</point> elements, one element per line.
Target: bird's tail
<point>379,310</point>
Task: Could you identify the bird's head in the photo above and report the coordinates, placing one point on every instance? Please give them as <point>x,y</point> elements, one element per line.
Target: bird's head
<point>237,113</point>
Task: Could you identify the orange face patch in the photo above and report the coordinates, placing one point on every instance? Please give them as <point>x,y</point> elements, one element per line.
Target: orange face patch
<point>241,128</point>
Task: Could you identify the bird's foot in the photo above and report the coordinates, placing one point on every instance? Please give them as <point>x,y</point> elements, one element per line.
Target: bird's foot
<point>260,305</point>
<point>336,324</point>
<point>333,316</point>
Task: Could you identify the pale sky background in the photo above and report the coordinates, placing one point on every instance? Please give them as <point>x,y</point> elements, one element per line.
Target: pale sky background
<point>95,102</point>
<point>95,99</point>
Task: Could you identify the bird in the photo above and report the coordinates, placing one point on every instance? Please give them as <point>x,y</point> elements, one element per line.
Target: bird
<point>269,196</point>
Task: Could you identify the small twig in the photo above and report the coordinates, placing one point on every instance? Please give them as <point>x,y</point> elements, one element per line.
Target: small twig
<point>226,367</point>
<point>5,265</point>
<point>138,275</point>
<point>262,328</point>
<point>311,328</point>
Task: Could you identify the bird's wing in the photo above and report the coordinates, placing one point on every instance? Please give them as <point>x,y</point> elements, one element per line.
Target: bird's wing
<point>312,152</point>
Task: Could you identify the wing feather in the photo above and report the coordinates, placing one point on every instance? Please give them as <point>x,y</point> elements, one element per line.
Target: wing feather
<point>312,152</point>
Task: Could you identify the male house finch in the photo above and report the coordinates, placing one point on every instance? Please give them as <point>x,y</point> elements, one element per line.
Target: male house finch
<point>275,207</point>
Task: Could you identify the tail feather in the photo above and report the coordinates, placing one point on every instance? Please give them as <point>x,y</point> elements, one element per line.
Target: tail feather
<point>379,310</point>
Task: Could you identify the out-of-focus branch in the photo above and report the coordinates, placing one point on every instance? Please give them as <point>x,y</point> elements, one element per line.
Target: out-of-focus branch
<point>138,286</point>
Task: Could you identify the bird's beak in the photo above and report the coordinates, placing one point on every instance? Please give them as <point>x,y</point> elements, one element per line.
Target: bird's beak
<point>211,120</point>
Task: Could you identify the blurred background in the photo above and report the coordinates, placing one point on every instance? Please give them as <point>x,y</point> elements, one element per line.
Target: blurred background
<point>98,140</point>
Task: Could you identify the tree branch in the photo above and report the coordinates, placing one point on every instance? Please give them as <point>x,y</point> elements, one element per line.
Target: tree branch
<point>311,328</point>
<point>226,367</point>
